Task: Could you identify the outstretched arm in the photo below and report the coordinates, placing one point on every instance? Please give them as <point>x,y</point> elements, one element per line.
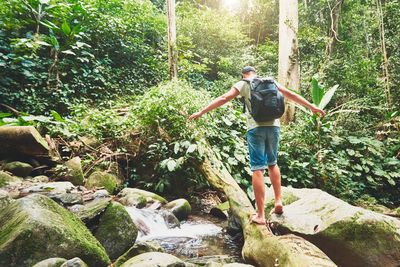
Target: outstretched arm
<point>217,102</point>
<point>299,99</point>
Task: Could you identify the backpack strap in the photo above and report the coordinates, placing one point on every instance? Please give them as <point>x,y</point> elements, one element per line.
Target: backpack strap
<point>242,99</point>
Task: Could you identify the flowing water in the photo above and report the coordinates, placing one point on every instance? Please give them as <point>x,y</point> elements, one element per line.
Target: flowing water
<point>200,235</point>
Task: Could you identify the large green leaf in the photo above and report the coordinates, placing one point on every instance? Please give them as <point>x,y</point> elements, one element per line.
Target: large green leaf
<point>65,27</point>
<point>316,92</point>
<point>327,97</point>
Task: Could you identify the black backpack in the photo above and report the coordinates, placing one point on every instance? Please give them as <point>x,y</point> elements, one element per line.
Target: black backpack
<point>267,103</point>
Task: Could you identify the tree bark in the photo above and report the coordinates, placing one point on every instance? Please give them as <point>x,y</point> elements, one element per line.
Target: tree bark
<point>385,63</point>
<point>261,247</point>
<point>22,140</point>
<point>333,32</point>
<point>172,53</point>
<point>289,67</point>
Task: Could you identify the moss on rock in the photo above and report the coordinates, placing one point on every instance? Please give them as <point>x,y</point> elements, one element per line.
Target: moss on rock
<point>116,230</point>
<point>151,259</point>
<point>18,168</point>
<point>35,228</point>
<point>138,248</point>
<point>102,179</point>
<point>138,198</point>
<point>6,179</point>
<point>74,172</point>
<point>180,208</point>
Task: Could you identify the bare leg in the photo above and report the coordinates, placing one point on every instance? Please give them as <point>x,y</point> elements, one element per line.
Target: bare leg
<point>275,176</point>
<point>259,193</point>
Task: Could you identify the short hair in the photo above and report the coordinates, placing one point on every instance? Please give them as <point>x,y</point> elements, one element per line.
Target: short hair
<point>248,69</point>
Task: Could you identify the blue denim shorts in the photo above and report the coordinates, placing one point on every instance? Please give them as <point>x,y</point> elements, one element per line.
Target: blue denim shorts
<point>263,145</point>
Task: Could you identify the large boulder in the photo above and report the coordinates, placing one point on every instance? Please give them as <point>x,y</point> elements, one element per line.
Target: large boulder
<point>138,198</point>
<point>151,259</point>
<point>6,179</point>
<point>74,172</point>
<point>349,235</point>
<point>5,198</point>
<point>51,262</point>
<point>46,188</point>
<point>103,179</point>
<point>35,228</point>
<point>18,168</point>
<point>116,230</point>
<point>138,248</point>
<point>180,208</point>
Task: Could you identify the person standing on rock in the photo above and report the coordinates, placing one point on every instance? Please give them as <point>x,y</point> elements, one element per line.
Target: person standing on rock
<point>262,137</point>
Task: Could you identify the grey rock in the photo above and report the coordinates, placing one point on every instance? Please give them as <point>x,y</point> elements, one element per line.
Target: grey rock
<point>18,168</point>
<point>180,208</point>
<point>52,262</point>
<point>152,259</point>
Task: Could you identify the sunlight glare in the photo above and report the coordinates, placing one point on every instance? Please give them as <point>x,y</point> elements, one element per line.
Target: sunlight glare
<point>232,5</point>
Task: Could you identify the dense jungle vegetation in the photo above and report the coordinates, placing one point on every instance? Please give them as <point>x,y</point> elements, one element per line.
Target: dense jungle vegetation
<point>99,68</point>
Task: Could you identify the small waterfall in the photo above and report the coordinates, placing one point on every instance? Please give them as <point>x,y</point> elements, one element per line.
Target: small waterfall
<point>152,225</point>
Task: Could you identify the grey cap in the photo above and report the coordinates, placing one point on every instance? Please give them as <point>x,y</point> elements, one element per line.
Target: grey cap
<point>248,69</point>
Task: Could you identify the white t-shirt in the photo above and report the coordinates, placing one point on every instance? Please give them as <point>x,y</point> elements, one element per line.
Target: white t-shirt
<point>244,89</point>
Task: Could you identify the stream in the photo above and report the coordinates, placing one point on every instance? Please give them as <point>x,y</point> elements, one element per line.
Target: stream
<point>200,235</point>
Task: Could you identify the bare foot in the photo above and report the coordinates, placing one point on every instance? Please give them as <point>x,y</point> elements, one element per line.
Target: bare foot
<point>278,208</point>
<point>257,220</point>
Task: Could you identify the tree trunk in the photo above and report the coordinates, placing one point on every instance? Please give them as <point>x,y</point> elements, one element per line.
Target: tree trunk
<point>172,53</point>
<point>261,247</point>
<point>385,64</point>
<point>22,140</point>
<point>333,32</point>
<point>289,68</point>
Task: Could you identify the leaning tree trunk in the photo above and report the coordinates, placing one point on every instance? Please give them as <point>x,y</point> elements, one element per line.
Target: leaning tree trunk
<point>172,52</point>
<point>288,67</point>
<point>22,140</point>
<point>261,247</point>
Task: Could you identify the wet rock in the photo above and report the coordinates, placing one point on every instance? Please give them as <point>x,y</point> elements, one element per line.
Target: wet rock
<point>207,260</point>
<point>359,237</point>
<point>53,187</point>
<point>74,172</point>
<point>52,262</point>
<point>180,208</point>
<point>139,248</point>
<point>170,219</point>
<point>40,179</point>
<point>234,226</point>
<point>151,259</point>
<point>6,179</point>
<point>75,262</point>
<point>221,210</point>
<point>33,229</point>
<point>91,209</point>
<point>18,168</point>
<point>237,265</point>
<point>67,199</point>
<point>101,194</point>
<point>103,179</point>
<point>116,230</point>
<point>138,198</point>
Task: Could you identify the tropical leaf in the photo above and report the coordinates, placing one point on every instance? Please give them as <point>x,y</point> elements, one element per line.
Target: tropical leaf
<point>316,92</point>
<point>326,98</point>
<point>65,27</point>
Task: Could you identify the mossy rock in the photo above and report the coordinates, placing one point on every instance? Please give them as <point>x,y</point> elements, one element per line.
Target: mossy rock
<point>103,179</point>
<point>74,172</point>
<point>205,260</point>
<point>137,249</point>
<point>35,228</point>
<point>116,230</point>
<point>235,264</point>
<point>18,168</point>
<point>91,209</point>
<point>138,198</point>
<point>151,259</point>
<point>180,208</point>
<point>52,262</point>
<point>360,237</point>
<point>40,179</point>
<point>5,198</point>
<point>6,179</point>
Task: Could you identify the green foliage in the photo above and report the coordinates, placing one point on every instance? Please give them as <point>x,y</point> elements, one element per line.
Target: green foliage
<point>56,53</point>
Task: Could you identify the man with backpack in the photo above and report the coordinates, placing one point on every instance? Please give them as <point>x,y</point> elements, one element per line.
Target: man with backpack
<point>263,100</point>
